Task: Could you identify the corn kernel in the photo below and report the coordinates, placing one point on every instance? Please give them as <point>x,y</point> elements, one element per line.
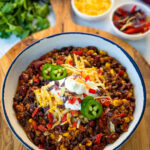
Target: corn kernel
<point>62,147</point>
<point>103,52</point>
<point>89,143</point>
<point>66,134</point>
<point>52,136</point>
<point>131,118</point>
<point>123,81</point>
<point>122,108</point>
<point>90,52</point>
<point>126,119</point>
<point>30,120</point>
<point>112,71</point>
<point>116,102</point>
<point>71,128</point>
<point>124,100</point>
<point>107,65</point>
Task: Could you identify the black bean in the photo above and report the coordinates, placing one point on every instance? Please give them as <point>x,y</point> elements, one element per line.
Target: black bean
<point>65,127</point>
<point>37,140</point>
<point>23,122</point>
<point>57,128</point>
<point>32,135</point>
<point>80,137</point>
<point>75,142</point>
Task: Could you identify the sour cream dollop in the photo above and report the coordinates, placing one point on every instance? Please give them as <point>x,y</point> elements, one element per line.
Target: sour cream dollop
<point>75,85</point>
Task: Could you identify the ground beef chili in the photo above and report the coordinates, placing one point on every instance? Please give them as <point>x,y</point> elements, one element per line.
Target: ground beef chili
<point>117,100</point>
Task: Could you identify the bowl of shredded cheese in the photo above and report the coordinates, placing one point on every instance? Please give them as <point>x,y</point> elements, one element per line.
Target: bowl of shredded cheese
<point>92,9</point>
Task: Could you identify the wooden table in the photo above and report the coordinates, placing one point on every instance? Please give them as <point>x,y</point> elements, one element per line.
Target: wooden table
<point>140,139</point>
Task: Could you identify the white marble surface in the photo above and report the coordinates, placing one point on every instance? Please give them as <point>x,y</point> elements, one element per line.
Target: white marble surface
<point>143,45</point>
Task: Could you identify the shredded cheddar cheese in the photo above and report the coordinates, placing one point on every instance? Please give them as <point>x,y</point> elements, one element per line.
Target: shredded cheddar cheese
<point>92,7</point>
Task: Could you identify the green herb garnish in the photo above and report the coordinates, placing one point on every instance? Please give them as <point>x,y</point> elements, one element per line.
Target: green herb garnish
<point>23,17</point>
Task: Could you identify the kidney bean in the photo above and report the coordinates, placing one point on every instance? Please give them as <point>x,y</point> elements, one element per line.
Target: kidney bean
<point>42,139</point>
<point>24,77</point>
<point>22,90</point>
<point>37,140</point>
<point>32,135</point>
<point>36,64</point>
<point>98,147</point>
<point>92,123</point>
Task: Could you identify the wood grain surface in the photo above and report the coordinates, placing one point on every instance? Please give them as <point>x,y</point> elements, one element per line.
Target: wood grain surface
<point>140,139</point>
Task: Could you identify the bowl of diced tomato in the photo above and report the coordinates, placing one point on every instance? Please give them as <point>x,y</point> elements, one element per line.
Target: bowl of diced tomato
<point>131,20</point>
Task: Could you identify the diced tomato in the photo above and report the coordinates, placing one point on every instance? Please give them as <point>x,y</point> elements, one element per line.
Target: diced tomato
<point>34,124</point>
<point>64,118</point>
<point>49,126</point>
<point>81,73</point>
<point>98,138</point>
<point>79,100</point>
<point>35,112</point>
<point>78,53</point>
<point>99,71</point>
<point>74,124</point>
<point>84,94</point>
<point>102,115</point>
<point>36,80</point>
<point>93,91</point>
<point>42,128</point>
<point>59,62</point>
<point>41,67</point>
<point>60,57</point>
<point>75,112</point>
<point>72,100</point>
<point>50,117</point>
<point>121,72</point>
<point>87,78</point>
<point>71,62</point>
<point>106,103</point>
<point>122,114</point>
<point>133,8</point>
<point>115,17</point>
<point>108,98</point>
<point>40,146</point>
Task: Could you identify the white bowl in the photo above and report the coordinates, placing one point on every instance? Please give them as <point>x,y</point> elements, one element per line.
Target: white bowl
<point>90,17</point>
<point>128,6</point>
<point>57,41</point>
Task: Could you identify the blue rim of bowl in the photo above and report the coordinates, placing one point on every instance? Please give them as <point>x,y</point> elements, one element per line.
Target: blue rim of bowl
<point>129,57</point>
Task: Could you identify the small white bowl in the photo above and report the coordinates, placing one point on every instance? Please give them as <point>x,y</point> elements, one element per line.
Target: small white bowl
<point>128,6</point>
<point>90,17</point>
<point>57,41</point>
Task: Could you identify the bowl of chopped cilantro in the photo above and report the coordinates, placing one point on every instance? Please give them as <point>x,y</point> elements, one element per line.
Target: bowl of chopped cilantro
<point>23,17</point>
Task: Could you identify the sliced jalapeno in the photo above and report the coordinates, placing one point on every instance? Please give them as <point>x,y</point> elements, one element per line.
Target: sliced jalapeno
<point>91,108</point>
<point>83,103</point>
<point>46,71</point>
<point>58,72</point>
